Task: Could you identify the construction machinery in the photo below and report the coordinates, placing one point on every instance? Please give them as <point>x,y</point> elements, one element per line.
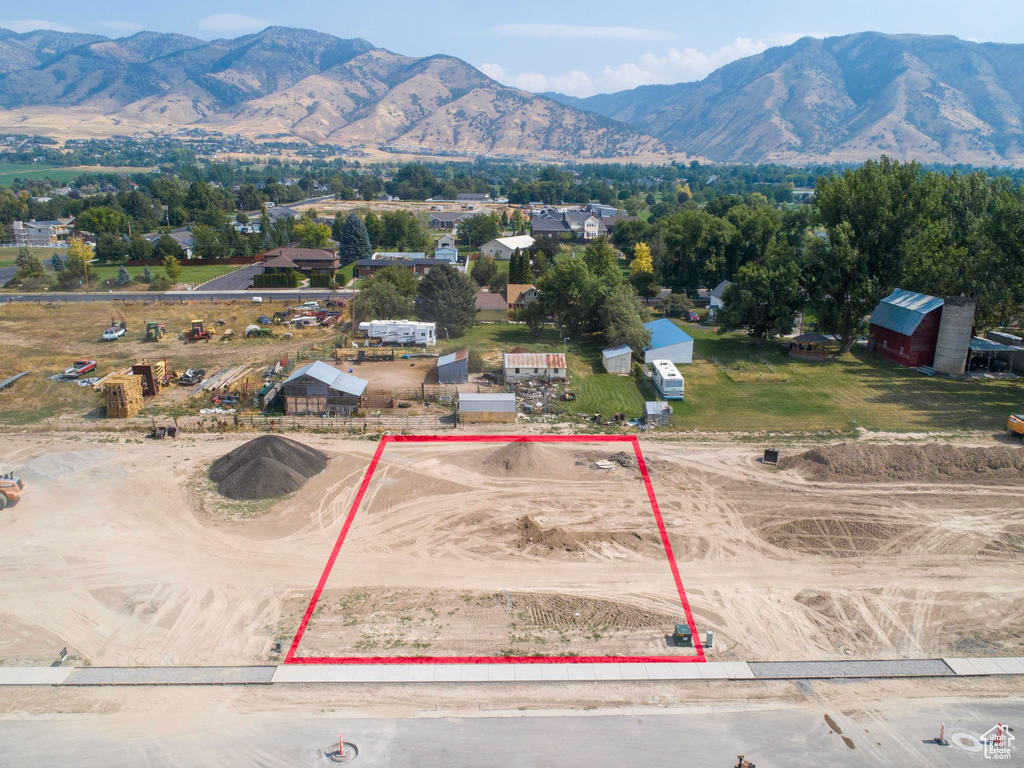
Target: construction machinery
<point>198,332</point>
<point>154,330</point>
<point>256,332</point>
<point>1015,425</point>
<point>10,490</point>
<point>191,376</point>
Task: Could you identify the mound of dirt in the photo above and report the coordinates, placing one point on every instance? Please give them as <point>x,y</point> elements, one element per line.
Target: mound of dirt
<point>623,459</point>
<point>265,468</point>
<point>521,459</point>
<point>531,533</point>
<point>932,462</point>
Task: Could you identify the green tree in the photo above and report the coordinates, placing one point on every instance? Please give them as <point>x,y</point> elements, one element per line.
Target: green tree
<point>700,250</point>
<point>484,270</point>
<point>77,272</point>
<point>480,229</point>
<point>167,246</point>
<point>623,318</point>
<point>140,248</point>
<point>110,248</point>
<point>147,276</point>
<point>102,220</point>
<point>675,304</point>
<point>601,261</point>
<point>519,267</point>
<point>56,262</point>
<point>498,283</point>
<point>160,283</point>
<point>573,295</point>
<point>764,298</point>
<point>448,298</point>
<point>355,240</point>
<point>840,290</point>
<point>123,278</point>
<point>534,315</point>
<point>381,300</point>
<point>173,269</point>
<point>400,230</point>
<point>401,277</point>
<point>312,234</point>
<point>374,228</point>
<point>208,243</point>
<point>28,265</point>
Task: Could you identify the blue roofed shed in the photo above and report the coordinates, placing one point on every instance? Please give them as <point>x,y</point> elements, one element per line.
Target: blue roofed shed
<point>668,342</point>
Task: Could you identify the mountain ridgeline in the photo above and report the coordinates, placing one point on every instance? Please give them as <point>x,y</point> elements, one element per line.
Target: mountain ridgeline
<point>301,83</point>
<point>846,99</point>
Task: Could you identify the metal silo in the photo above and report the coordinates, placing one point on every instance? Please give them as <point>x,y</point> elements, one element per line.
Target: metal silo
<point>954,334</point>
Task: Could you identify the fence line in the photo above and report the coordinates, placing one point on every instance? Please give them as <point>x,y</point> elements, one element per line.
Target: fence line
<point>215,421</point>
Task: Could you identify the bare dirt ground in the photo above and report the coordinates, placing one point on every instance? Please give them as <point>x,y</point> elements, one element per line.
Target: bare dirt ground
<point>121,551</point>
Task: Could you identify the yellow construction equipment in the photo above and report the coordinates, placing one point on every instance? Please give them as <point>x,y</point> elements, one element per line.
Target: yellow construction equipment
<point>1015,425</point>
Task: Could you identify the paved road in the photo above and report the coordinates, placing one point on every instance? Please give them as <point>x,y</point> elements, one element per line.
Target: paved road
<point>238,280</point>
<point>6,274</point>
<point>166,733</point>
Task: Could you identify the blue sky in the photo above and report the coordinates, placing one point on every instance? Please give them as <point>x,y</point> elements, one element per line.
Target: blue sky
<point>577,48</point>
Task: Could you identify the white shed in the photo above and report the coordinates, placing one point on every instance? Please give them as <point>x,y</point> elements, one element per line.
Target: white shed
<point>668,342</point>
<point>502,248</point>
<point>617,359</point>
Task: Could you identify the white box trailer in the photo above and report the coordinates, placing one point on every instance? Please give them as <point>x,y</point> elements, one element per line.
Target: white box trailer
<point>401,332</point>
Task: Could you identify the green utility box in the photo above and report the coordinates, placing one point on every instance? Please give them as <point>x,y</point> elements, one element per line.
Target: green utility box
<point>682,637</point>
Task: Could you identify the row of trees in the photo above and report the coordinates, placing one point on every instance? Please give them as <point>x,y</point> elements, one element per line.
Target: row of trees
<point>444,296</point>
<point>882,226</point>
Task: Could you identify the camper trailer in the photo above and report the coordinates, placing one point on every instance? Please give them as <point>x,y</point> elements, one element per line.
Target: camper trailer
<point>667,379</point>
<point>400,332</point>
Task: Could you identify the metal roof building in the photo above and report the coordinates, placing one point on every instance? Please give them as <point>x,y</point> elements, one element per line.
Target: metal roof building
<point>668,342</point>
<point>520,366</point>
<point>331,376</point>
<point>902,311</point>
<point>617,359</point>
<point>453,368</point>
<point>487,406</point>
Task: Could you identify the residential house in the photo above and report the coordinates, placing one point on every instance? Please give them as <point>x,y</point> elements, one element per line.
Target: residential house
<point>579,225</point>
<point>453,368</point>
<point>519,295</point>
<point>905,327</point>
<point>446,254</point>
<point>392,255</point>
<point>491,308</point>
<point>319,388</point>
<point>451,219</point>
<point>182,236</point>
<point>445,241</point>
<point>308,261</point>
<point>668,342</point>
<point>369,267</point>
<point>600,210</point>
<point>476,197</point>
<point>523,366</point>
<point>502,248</point>
<point>715,300</point>
<point>41,234</point>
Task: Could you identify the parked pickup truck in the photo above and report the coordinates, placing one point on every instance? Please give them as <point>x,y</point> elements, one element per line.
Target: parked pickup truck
<point>113,333</point>
<point>79,368</point>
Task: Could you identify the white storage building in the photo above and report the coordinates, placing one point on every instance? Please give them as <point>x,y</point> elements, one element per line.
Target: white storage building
<point>502,248</point>
<point>523,366</point>
<point>487,406</point>
<point>617,359</point>
<point>668,342</point>
<point>401,332</point>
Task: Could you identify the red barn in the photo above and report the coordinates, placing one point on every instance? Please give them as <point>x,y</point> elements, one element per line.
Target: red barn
<point>905,326</point>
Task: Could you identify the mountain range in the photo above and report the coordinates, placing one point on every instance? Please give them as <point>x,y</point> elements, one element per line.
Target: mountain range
<point>848,98</point>
<point>308,84</point>
<point>837,99</point>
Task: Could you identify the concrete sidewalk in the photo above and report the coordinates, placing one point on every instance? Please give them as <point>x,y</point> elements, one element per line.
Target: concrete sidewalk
<point>493,673</point>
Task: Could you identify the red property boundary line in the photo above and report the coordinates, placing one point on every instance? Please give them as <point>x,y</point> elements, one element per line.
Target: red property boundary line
<point>292,658</point>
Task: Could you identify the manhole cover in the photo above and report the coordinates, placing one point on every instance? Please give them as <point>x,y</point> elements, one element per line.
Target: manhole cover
<point>351,753</point>
<point>966,742</point>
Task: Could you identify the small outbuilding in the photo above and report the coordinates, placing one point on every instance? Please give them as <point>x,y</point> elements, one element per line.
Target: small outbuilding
<point>319,388</point>
<point>453,368</point>
<point>668,342</point>
<point>534,365</point>
<point>656,413</point>
<point>487,406</point>
<point>617,359</point>
<point>491,308</point>
<point>811,346</point>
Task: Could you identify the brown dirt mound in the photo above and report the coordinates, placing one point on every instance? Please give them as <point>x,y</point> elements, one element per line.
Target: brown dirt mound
<point>265,468</point>
<point>531,533</point>
<point>933,462</point>
<point>519,458</point>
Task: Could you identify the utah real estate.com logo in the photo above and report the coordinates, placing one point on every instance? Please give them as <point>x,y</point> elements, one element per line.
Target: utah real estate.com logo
<point>997,741</point>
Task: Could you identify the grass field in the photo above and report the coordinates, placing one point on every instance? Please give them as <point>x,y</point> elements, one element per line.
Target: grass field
<point>11,171</point>
<point>189,274</point>
<point>733,385</point>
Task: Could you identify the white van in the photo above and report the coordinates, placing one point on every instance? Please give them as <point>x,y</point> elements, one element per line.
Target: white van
<point>309,306</point>
<point>113,333</point>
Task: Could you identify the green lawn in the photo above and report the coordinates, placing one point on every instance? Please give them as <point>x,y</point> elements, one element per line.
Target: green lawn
<point>11,171</point>
<point>734,386</point>
<point>189,274</point>
<point>501,265</point>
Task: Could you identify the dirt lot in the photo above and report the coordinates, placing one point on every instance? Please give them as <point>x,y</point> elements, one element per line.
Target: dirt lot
<point>122,553</point>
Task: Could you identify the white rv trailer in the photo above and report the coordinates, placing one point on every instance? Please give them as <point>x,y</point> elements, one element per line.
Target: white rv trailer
<point>401,332</point>
<point>667,379</point>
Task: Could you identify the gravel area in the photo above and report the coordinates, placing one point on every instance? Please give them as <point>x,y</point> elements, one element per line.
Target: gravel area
<point>170,675</point>
<point>887,668</point>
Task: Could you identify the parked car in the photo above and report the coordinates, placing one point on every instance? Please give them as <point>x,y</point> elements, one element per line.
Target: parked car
<point>79,368</point>
<point>692,316</point>
<point>114,332</point>
<point>309,306</point>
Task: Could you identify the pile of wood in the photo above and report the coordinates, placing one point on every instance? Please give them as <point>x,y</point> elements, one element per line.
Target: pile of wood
<point>226,379</point>
<point>124,396</point>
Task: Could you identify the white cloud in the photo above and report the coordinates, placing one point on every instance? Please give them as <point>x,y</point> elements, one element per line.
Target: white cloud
<point>232,22</point>
<point>120,26</point>
<point>675,66</point>
<point>576,31</point>
<point>29,25</point>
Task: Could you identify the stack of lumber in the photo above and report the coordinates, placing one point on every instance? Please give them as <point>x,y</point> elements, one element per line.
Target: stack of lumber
<point>225,379</point>
<point>100,383</point>
<point>124,396</point>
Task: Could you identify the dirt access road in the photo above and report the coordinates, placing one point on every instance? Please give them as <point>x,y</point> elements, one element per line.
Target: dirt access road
<point>121,552</point>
